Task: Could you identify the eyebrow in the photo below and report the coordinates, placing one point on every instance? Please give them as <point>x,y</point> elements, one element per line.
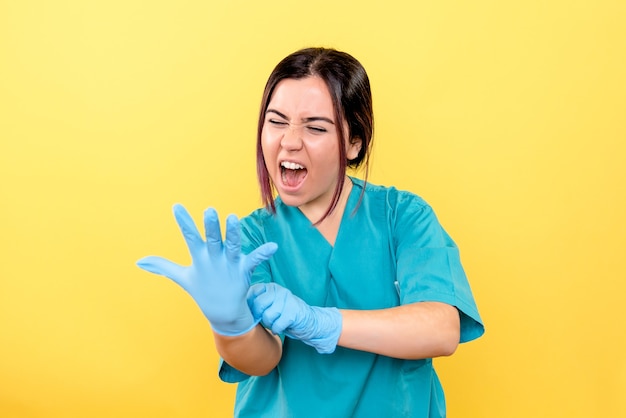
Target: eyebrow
<point>305,120</point>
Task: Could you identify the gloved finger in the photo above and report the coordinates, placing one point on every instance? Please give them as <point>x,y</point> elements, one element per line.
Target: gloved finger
<point>267,303</point>
<point>272,320</point>
<point>232,244</point>
<point>254,291</point>
<point>189,230</point>
<point>258,299</point>
<point>288,311</point>
<point>278,292</point>
<point>260,254</point>
<point>163,267</point>
<point>213,233</point>
<point>281,323</point>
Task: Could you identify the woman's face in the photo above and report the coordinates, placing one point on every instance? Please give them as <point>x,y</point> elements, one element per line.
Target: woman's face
<point>300,144</point>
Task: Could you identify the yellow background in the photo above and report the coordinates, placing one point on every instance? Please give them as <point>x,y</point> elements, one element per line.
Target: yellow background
<point>508,117</point>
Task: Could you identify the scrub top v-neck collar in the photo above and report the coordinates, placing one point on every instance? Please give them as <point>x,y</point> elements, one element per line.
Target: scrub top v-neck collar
<point>302,220</point>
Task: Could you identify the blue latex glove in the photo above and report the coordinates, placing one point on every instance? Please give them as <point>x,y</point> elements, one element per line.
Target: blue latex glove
<point>283,312</point>
<point>219,276</point>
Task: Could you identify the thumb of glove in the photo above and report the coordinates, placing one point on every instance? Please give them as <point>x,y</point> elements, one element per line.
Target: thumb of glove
<point>259,255</point>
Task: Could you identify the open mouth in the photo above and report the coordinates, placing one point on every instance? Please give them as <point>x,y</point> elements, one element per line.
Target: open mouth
<point>292,174</point>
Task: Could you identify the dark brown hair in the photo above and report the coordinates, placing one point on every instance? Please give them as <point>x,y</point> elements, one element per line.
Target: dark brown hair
<point>350,92</point>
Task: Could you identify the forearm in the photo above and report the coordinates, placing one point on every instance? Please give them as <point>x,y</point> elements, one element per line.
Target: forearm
<point>255,353</point>
<point>415,331</point>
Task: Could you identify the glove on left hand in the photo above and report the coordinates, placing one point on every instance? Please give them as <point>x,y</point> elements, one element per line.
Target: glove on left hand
<point>283,312</point>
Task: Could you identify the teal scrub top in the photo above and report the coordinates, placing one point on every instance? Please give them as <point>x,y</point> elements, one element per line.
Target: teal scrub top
<point>390,250</point>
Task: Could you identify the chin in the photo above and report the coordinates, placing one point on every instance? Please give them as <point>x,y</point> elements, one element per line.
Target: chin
<point>290,200</point>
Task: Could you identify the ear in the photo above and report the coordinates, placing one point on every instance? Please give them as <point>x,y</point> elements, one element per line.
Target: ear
<point>353,147</point>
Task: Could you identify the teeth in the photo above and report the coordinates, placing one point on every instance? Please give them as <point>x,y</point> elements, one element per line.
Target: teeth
<point>291,166</point>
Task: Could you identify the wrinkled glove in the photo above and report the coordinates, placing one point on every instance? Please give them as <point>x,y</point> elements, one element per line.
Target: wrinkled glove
<point>283,312</point>
<point>219,276</point>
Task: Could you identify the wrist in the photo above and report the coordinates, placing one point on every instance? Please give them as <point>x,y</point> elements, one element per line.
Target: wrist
<point>329,323</point>
<point>236,327</point>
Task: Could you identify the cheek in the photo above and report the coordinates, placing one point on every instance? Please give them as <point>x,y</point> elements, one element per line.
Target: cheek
<point>271,135</point>
<point>326,159</point>
<point>270,152</point>
<point>266,144</point>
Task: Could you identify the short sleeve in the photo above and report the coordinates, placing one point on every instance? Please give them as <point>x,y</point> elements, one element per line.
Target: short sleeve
<point>229,374</point>
<point>429,264</point>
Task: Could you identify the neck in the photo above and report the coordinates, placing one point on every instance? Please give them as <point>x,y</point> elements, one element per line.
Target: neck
<point>329,226</point>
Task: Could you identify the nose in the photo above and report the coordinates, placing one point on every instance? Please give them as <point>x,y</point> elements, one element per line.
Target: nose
<point>292,138</point>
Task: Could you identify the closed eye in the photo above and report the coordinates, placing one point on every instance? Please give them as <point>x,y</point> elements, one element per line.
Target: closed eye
<point>317,129</point>
<point>277,122</point>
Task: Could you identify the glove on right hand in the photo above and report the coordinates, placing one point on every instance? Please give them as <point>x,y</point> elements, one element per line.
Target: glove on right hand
<point>219,276</point>
<point>283,312</point>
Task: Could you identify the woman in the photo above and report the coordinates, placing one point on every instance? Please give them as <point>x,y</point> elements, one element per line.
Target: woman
<point>356,287</point>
